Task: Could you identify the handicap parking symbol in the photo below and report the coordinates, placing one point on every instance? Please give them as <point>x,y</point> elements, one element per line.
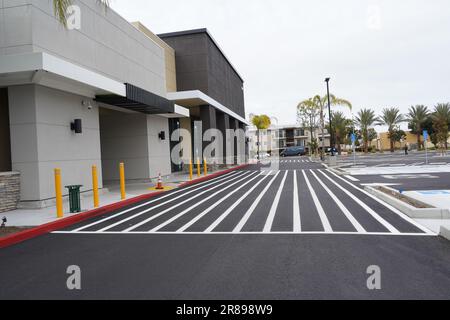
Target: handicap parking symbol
<point>435,193</point>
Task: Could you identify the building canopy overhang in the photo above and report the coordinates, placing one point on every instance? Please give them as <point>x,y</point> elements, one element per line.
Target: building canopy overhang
<point>47,70</point>
<point>196,98</point>
<point>139,100</point>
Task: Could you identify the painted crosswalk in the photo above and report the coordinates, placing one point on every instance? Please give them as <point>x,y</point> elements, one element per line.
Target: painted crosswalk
<point>289,161</point>
<point>303,201</point>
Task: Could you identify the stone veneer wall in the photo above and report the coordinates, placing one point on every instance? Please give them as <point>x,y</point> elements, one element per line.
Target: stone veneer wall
<point>9,191</point>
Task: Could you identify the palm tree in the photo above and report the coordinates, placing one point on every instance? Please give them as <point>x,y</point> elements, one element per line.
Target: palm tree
<point>321,103</point>
<point>340,126</point>
<point>307,114</point>
<point>391,117</point>
<point>417,118</point>
<point>441,122</point>
<point>261,122</point>
<point>60,9</point>
<point>365,119</point>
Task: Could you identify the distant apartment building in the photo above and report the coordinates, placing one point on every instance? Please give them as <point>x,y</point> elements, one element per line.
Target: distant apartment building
<point>277,138</point>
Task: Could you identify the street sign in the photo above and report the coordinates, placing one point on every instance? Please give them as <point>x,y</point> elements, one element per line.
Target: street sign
<point>353,137</point>
<point>425,137</point>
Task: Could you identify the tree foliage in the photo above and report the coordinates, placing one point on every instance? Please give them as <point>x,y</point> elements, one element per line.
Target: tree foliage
<point>417,117</point>
<point>261,122</point>
<point>441,122</point>
<point>365,120</point>
<point>391,117</point>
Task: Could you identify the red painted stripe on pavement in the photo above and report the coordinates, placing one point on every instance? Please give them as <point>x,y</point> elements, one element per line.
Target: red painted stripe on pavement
<point>211,176</point>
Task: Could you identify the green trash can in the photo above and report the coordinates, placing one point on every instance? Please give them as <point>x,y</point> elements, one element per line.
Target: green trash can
<point>74,198</point>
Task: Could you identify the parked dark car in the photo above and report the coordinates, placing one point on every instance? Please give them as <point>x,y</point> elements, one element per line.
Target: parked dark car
<point>293,151</point>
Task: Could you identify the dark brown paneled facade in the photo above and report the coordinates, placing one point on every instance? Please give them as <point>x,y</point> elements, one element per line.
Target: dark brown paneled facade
<point>201,65</point>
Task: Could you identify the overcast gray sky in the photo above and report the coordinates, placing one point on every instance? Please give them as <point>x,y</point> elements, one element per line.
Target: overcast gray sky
<point>379,53</point>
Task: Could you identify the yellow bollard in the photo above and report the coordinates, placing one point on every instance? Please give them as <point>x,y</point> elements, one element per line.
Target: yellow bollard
<point>58,191</point>
<point>205,167</point>
<point>190,170</point>
<point>198,167</point>
<point>95,186</point>
<point>122,181</point>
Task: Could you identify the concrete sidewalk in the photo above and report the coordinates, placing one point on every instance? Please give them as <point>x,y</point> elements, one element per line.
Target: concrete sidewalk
<point>109,195</point>
<point>435,198</point>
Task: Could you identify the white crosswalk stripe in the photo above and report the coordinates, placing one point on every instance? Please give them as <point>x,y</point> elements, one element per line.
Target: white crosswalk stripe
<point>205,212</point>
<point>162,225</point>
<point>150,209</point>
<point>341,206</point>
<point>273,209</point>
<point>399,213</point>
<point>255,203</point>
<point>259,200</point>
<point>182,191</point>
<point>227,212</point>
<point>296,205</point>
<point>323,217</point>
<point>135,226</point>
<point>386,224</point>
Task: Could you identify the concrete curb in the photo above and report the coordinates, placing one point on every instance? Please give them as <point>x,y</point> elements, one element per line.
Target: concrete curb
<point>66,222</point>
<point>335,170</point>
<point>445,233</point>
<point>211,176</point>
<point>415,213</point>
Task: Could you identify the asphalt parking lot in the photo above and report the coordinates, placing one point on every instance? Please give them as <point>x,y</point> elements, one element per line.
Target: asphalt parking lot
<point>399,171</point>
<point>394,159</point>
<point>294,230</point>
<point>408,182</point>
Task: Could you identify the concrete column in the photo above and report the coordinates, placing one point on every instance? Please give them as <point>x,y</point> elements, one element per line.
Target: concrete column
<point>223,124</point>
<point>209,121</point>
<point>158,150</point>
<point>246,147</point>
<point>186,144</point>
<point>234,124</point>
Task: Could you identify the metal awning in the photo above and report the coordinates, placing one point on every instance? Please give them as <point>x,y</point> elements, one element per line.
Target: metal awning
<point>194,98</point>
<point>139,100</point>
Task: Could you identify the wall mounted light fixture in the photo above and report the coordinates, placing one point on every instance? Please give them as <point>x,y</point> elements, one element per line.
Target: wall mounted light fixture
<point>162,135</point>
<point>76,126</point>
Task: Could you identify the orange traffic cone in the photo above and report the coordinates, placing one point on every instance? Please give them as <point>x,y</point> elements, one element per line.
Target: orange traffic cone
<point>159,186</point>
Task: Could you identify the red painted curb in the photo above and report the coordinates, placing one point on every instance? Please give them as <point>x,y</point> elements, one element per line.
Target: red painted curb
<point>211,176</point>
<point>65,222</point>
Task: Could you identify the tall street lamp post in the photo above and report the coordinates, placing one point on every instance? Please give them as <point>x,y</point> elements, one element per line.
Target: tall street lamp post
<point>327,80</point>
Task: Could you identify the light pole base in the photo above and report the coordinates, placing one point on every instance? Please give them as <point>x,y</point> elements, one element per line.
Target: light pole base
<point>332,161</point>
